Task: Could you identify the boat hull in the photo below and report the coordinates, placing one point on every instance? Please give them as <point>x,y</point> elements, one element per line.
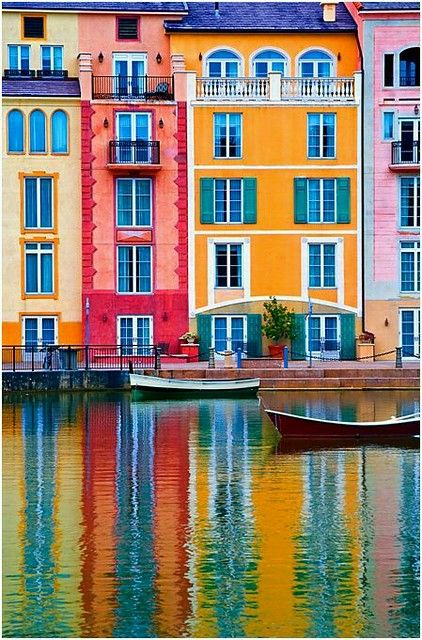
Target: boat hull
<point>165,388</point>
<point>290,426</point>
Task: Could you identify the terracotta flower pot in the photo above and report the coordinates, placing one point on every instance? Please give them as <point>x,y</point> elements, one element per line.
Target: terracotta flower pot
<point>276,350</point>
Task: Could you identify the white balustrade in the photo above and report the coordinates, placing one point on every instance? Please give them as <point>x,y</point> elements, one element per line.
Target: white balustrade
<point>232,89</point>
<point>318,89</point>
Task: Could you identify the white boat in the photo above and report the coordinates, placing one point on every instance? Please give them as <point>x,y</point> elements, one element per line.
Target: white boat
<point>169,387</point>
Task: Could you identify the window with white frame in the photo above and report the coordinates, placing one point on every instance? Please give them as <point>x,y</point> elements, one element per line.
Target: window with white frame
<point>228,265</point>
<point>409,67</point>
<point>410,202</point>
<point>39,331</point>
<point>410,267</point>
<point>133,202</point>
<point>228,200</point>
<point>321,200</point>
<point>321,135</point>
<point>19,56</point>
<point>266,61</point>
<point>134,333</point>
<point>315,64</point>
<point>129,70</point>
<point>134,269</point>
<point>322,265</point>
<point>39,268</point>
<point>38,203</point>
<point>223,64</point>
<point>227,135</point>
<point>51,59</point>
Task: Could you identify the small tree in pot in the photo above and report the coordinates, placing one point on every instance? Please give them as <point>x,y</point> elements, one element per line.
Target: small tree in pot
<point>279,324</point>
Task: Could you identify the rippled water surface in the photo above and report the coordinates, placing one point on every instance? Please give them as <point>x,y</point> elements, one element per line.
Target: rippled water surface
<point>143,519</point>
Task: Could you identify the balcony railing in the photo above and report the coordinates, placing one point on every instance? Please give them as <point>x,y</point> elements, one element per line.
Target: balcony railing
<point>19,73</point>
<point>318,89</point>
<point>232,89</point>
<point>132,88</point>
<point>134,152</point>
<point>405,152</point>
<point>52,73</point>
<point>42,74</point>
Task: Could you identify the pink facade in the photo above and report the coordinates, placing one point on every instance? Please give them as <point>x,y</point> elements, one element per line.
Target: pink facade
<point>122,88</point>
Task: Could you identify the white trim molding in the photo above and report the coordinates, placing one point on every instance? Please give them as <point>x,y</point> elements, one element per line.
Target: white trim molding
<point>304,300</point>
<point>246,265</point>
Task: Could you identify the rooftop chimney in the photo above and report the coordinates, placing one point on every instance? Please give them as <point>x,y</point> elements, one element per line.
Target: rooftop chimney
<point>329,10</point>
<point>217,9</point>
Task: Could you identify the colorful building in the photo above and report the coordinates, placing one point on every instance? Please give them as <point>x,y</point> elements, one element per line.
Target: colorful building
<point>273,171</point>
<point>389,34</point>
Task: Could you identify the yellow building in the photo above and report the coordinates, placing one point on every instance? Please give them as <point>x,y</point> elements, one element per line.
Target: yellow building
<point>273,153</point>
<point>41,179</point>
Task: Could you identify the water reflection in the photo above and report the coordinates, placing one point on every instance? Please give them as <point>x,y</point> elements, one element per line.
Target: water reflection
<point>131,519</point>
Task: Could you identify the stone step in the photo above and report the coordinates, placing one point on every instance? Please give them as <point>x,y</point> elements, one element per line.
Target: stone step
<point>340,383</point>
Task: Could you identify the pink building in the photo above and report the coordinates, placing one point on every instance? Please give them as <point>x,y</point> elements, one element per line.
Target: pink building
<point>134,185</point>
<point>389,36</point>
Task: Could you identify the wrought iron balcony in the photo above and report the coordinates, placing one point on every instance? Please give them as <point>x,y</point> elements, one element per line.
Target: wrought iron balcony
<point>19,73</point>
<point>141,152</point>
<point>405,153</point>
<point>132,88</point>
<point>52,73</point>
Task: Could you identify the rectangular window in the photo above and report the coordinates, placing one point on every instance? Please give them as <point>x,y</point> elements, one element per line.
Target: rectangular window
<point>228,265</point>
<point>134,333</point>
<point>127,28</point>
<point>410,202</point>
<point>51,58</point>
<point>410,267</point>
<point>321,135</point>
<point>322,270</point>
<point>228,200</point>
<point>39,268</point>
<point>133,202</point>
<point>388,69</point>
<point>321,200</point>
<point>39,331</point>
<point>33,26</point>
<point>18,57</point>
<point>38,203</point>
<point>388,125</point>
<point>134,269</point>
<point>227,135</point>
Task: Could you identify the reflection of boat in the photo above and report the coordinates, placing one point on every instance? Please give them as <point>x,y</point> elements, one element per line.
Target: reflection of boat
<point>169,387</point>
<point>294,426</point>
<point>292,445</point>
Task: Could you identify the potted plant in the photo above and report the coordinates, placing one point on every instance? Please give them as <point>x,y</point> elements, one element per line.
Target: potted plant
<point>278,325</point>
<point>189,336</point>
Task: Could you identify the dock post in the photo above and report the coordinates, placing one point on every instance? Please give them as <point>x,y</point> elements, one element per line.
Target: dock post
<point>286,357</point>
<point>399,361</point>
<point>157,358</point>
<point>211,358</point>
<point>239,358</point>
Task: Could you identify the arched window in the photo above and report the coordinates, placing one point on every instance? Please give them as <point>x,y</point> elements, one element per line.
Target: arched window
<point>268,60</point>
<point>59,132</point>
<point>315,64</point>
<point>37,123</point>
<point>15,131</point>
<point>410,67</point>
<point>223,64</point>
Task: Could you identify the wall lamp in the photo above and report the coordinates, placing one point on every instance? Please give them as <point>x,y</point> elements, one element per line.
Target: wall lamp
<point>386,323</point>
<point>100,57</point>
<point>159,58</point>
<point>200,56</point>
<point>339,56</point>
<point>416,110</point>
<point>161,123</point>
<point>105,123</point>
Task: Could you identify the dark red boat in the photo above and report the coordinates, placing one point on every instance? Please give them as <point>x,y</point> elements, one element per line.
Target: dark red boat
<point>293,426</point>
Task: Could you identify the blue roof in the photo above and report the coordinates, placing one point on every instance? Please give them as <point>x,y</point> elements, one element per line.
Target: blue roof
<point>390,6</point>
<point>88,5</point>
<point>261,16</point>
<point>45,88</point>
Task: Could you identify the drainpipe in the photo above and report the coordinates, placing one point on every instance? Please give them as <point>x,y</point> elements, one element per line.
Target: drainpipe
<point>362,180</point>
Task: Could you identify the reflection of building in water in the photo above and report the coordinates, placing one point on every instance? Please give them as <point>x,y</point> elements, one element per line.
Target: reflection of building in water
<point>135,565</point>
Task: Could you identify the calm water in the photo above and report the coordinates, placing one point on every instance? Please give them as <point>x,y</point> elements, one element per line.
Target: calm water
<point>132,519</point>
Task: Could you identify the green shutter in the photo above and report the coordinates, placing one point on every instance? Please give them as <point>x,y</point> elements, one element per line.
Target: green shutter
<point>254,333</point>
<point>298,349</point>
<point>347,333</point>
<point>249,200</point>
<point>207,200</point>
<point>343,200</point>
<point>204,334</point>
<point>301,196</point>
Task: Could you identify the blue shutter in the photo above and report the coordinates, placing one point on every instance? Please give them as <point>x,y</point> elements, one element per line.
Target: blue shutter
<point>254,335</point>
<point>249,200</point>
<point>348,335</point>
<point>300,197</point>
<point>298,348</point>
<point>207,200</point>
<point>343,200</point>
<point>203,323</point>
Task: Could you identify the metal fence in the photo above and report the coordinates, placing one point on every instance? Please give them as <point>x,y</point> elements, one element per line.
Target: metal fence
<point>132,87</point>
<point>79,357</point>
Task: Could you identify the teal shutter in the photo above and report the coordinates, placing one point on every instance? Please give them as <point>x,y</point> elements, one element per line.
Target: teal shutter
<point>343,200</point>
<point>249,200</point>
<point>347,332</point>
<point>203,323</point>
<point>301,204</point>
<point>253,326</point>
<point>207,200</point>
<point>298,349</point>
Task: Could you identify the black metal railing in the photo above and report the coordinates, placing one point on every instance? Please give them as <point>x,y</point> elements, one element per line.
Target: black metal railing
<point>134,152</point>
<point>52,73</point>
<point>405,153</point>
<point>19,73</point>
<point>132,87</point>
<point>79,357</point>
